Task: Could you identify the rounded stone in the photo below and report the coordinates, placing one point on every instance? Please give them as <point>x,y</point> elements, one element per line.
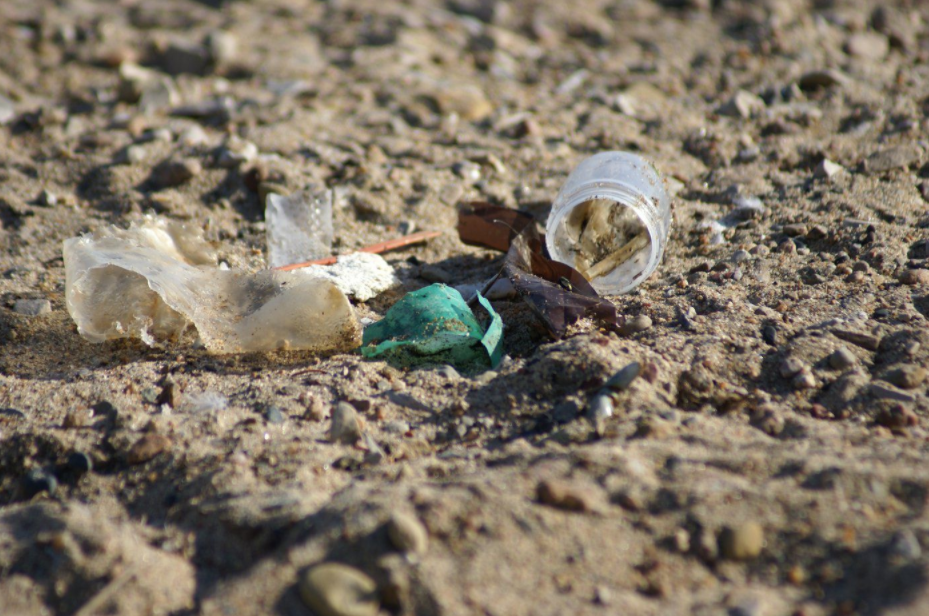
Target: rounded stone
<point>407,533</point>
<point>80,463</point>
<point>638,323</point>
<point>842,358</point>
<point>334,589</point>
<point>742,542</point>
<point>37,481</point>
<point>791,367</point>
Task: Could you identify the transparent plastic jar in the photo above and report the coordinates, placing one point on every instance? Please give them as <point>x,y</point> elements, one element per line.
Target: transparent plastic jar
<point>610,221</point>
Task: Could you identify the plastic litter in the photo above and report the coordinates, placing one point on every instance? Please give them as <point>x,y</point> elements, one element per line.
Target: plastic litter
<point>433,326</point>
<point>156,278</point>
<point>610,221</point>
<point>299,227</point>
<point>556,292</point>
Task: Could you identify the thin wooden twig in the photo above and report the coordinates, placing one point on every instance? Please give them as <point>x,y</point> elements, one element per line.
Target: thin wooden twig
<point>394,244</point>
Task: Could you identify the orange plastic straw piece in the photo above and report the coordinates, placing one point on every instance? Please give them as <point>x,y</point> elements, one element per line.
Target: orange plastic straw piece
<point>393,244</point>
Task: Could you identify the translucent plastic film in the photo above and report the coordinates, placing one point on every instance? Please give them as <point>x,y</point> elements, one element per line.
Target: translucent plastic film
<point>157,278</point>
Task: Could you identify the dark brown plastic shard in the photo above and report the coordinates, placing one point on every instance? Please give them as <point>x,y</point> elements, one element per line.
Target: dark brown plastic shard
<point>556,292</point>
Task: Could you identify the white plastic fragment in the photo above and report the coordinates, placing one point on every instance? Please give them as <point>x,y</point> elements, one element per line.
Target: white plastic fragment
<point>299,227</point>
<point>360,275</point>
<point>153,280</point>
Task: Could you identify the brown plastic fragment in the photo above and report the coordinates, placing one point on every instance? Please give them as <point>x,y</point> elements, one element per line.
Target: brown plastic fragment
<point>556,292</point>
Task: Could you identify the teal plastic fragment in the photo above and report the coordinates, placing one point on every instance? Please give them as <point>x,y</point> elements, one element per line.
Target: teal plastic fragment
<point>435,326</point>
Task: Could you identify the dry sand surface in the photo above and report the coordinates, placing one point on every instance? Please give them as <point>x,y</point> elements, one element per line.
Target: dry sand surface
<point>770,460</point>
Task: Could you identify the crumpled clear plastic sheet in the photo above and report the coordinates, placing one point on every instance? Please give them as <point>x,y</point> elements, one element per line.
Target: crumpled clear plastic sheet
<point>299,227</point>
<point>153,280</point>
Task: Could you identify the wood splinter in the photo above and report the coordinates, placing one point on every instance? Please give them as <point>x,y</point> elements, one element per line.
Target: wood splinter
<point>394,244</point>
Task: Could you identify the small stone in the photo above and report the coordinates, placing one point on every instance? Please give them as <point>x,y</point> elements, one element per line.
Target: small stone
<point>896,417</point>
<point>804,380</point>
<point>744,542</point>
<point>47,198</point>
<point>600,408</point>
<point>827,169</point>
<point>787,247</point>
<point>907,376</point>
<point>236,152</point>
<point>653,427</point>
<point>565,495</point>
<point>828,78</point>
<point>855,277</point>
<point>905,545</point>
<point>407,533</point>
<point>842,358</point>
<point>681,540</point>
<point>468,171</point>
<point>182,57</point>
<point>791,367</point>
<point>469,103</point>
<point>867,45</point>
<point>743,104</point>
<point>769,335</point>
<point>865,341</point>
<point>32,307</point>
<point>37,481</point>
<point>795,230</point>
<point>273,414</point>
<point>334,589</point>
<point>886,392</point>
<point>7,110</point>
<point>915,277</point>
<point>171,173</point>
<point>892,158</point>
<point>434,273</point>
<point>817,232</point>
<point>346,426</point>
<point>635,325</point>
<point>80,463</point>
<point>623,379</point>
<point>192,136</point>
<point>147,448</point>
<point>768,419</point>
<point>223,47</point>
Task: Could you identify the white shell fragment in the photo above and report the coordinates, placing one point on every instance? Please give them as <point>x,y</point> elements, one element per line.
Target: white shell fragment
<point>360,275</point>
<point>158,277</point>
<point>299,227</point>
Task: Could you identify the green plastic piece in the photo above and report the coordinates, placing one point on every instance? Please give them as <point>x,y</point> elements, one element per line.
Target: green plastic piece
<point>435,326</point>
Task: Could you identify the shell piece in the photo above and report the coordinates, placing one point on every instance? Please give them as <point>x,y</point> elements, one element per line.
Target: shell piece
<point>153,280</point>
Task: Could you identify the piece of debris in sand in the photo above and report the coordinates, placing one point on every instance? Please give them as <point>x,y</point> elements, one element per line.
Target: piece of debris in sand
<point>556,292</point>
<point>153,280</point>
<point>435,326</point>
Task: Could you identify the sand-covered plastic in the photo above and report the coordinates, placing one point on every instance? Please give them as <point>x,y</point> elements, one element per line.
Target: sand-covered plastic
<point>158,277</point>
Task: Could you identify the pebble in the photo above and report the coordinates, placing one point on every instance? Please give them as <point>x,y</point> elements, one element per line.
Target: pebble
<point>791,367</point>
<point>904,544</point>
<point>180,58</point>
<point>865,341</point>
<point>907,376</point>
<point>744,542</point>
<point>769,335</point>
<point>273,414</point>
<point>37,481</point>
<point>827,169</point>
<point>804,380</point>
<point>914,277</point>
<point>407,533</point>
<point>743,104</point>
<point>469,103</point>
<point>346,426</point>
<point>192,136</point>
<point>468,171</point>
<point>236,152</point>
<point>171,173</point>
<point>867,45</point>
<point>623,379</point>
<point>842,358</point>
<point>897,416</point>
<point>828,78</point>
<point>635,325</point>
<point>80,463</point>
<point>334,589</point>
<point>7,110</point>
<point>892,158</point>
<point>565,495</point>
<point>434,273</point>
<point>223,47</point>
<point>653,427</point>
<point>795,230</point>
<point>599,407</point>
<point>147,448</point>
<point>47,198</point>
<point>32,307</point>
<point>886,392</point>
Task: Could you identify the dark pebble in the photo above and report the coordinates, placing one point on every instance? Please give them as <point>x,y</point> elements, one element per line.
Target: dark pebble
<point>274,415</point>
<point>80,463</point>
<point>769,334</point>
<point>623,379</point>
<point>37,481</point>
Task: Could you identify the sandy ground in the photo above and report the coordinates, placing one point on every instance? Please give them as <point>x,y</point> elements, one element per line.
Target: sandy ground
<point>755,469</point>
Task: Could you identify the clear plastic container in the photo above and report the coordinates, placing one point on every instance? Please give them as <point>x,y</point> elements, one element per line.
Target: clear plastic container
<point>610,221</point>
